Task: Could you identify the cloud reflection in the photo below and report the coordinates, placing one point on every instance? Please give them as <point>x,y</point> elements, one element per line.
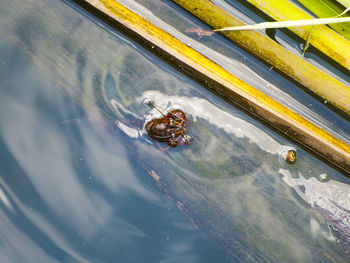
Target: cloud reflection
<point>50,165</point>
<point>331,198</point>
<point>54,180</point>
<point>5,200</point>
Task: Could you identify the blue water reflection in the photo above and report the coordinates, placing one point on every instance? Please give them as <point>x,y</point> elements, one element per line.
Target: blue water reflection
<point>80,181</point>
<point>70,194</point>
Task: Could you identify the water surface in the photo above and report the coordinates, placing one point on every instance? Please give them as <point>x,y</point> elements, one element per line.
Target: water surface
<point>80,181</point>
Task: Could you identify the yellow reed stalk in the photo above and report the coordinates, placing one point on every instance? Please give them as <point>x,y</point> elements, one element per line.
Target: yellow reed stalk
<point>323,38</point>
<point>312,78</point>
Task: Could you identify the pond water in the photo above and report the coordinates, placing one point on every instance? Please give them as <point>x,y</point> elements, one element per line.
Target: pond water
<point>80,181</point>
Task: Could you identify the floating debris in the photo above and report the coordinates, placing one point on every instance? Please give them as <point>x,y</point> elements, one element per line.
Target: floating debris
<point>199,31</point>
<point>323,177</point>
<point>289,156</point>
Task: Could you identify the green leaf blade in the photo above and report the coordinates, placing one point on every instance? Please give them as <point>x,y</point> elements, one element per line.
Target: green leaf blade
<point>328,8</point>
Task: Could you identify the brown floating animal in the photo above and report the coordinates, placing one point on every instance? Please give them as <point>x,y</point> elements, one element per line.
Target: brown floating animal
<point>170,128</point>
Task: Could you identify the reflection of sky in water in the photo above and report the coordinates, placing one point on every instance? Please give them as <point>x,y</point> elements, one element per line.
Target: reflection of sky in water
<point>319,193</point>
<point>72,192</point>
<point>331,198</point>
<point>86,209</point>
<point>69,195</point>
<point>47,160</point>
<point>237,195</point>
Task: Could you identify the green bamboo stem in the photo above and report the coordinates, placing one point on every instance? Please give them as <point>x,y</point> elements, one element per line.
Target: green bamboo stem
<point>323,38</point>
<point>328,8</point>
<point>314,79</point>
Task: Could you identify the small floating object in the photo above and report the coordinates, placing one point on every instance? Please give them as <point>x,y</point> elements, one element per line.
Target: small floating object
<point>170,128</point>
<point>323,177</point>
<point>289,156</point>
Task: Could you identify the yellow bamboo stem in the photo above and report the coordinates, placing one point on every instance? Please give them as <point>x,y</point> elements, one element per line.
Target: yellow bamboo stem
<point>323,85</point>
<point>323,38</point>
